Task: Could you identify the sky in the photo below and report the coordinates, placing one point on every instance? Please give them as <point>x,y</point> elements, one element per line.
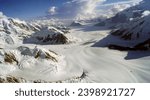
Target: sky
<point>28,9</point>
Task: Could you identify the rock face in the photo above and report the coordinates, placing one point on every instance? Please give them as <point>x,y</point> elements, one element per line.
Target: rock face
<point>144,46</point>
<point>10,58</point>
<point>120,48</point>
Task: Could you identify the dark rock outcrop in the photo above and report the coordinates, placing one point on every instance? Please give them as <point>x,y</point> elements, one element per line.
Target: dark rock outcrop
<point>139,47</point>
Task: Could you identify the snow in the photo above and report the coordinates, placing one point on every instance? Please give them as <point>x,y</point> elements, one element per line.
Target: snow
<point>99,63</point>
<point>84,60</point>
<point>146,13</point>
<point>134,12</point>
<point>81,57</point>
<point>139,29</point>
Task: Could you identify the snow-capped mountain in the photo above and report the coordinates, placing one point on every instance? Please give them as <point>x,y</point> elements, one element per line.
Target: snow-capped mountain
<point>131,13</point>
<point>17,57</point>
<point>13,30</point>
<point>137,31</point>
<point>48,35</point>
<point>130,29</point>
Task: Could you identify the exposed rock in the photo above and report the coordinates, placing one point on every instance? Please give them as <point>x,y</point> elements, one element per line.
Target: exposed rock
<point>2,80</point>
<point>139,47</point>
<point>44,54</point>
<point>13,79</point>
<point>143,46</point>
<point>120,48</point>
<point>10,58</point>
<point>49,35</point>
<point>55,38</point>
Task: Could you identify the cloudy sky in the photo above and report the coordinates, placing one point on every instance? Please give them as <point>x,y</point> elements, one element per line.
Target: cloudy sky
<point>26,9</point>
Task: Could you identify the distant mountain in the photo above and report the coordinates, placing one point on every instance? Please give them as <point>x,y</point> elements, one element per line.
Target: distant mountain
<point>131,13</point>
<point>15,31</point>
<point>11,28</point>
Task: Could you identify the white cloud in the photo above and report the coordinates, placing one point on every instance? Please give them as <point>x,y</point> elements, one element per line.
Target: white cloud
<point>76,9</point>
<point>88,8</point>
<point>52,10</point>
<point>84,9</point>
<point>2,15</point>
<point>114,8</point>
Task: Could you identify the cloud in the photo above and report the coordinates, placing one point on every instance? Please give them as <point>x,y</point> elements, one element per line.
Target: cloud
<point>2,15</point>
<point>75,9</point>
<point>109,10</point>
<point>85,9</point>
<point>88,8</point>
<point>52,10</point>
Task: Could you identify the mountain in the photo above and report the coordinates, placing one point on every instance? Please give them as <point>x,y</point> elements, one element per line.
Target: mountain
<point>20,55</point>
<point>10,28</point>
<point>41,31</point>
<point>48,35</point>
<point>137,31</point>
<point>131,13</point>
<point>132,32</point>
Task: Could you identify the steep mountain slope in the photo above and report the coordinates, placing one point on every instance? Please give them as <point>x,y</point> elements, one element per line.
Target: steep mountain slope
<point>131,13</point>
<point>131,31</point>
<point>137,31</point>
